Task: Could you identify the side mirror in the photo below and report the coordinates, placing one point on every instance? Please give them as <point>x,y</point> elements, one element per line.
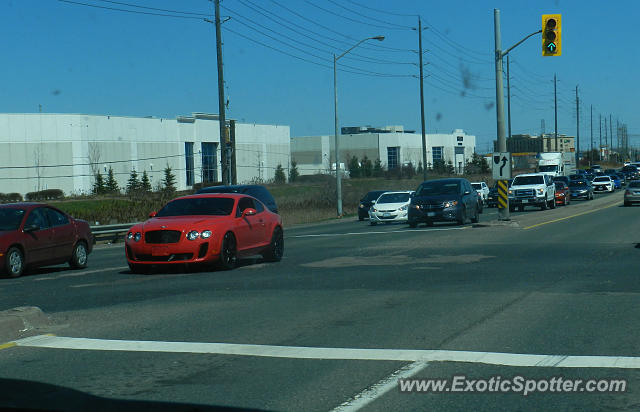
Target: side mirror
<point>412,195</point>
<point>153,214</point>
<point>249,212</point>
<point>466,192</point>
<point>373,202</point>
<point>31,228</point>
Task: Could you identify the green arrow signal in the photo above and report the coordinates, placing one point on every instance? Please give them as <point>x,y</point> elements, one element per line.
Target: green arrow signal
<point>551,47</point>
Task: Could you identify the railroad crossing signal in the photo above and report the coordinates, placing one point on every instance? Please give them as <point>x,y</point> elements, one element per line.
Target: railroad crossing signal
<point>551,34</point>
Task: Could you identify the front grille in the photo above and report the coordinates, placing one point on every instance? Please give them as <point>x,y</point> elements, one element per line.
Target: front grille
<point>525,193</point>
<point>162,236</point>
<point>386,211</point>
<point>170,258</point>
<point>433,206</point>
<point>386,217</point>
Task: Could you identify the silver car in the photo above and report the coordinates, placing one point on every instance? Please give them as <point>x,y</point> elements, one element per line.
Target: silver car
<point>632,193</point>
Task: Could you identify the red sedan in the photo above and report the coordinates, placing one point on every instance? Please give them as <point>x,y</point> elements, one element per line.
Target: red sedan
<point>35,234</point>
<point>205,228</point>
<point>563,194</point>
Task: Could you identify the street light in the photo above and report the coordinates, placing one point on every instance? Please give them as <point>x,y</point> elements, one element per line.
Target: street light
<point>335,102</point>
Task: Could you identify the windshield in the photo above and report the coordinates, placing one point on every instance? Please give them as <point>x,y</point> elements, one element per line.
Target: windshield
<point>476,186</point>
<point>635,184</point>
<point>394,198</point>
<point>10,218</point>
<point>602,179</point>
<point>560,185</point>
<point>528,180</point>
<point>372,196</point>
<point>219,206</point>
<point>438,188</point>
<point>549,168</point>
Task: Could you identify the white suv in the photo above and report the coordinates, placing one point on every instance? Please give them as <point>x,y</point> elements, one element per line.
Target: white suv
<point>482,189</point>
<point>532,189</point>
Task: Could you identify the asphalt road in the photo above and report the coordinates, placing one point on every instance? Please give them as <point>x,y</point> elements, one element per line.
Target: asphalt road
<point>422,303</point>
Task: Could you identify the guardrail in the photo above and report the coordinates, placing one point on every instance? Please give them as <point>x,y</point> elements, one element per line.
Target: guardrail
<point>113,232</point>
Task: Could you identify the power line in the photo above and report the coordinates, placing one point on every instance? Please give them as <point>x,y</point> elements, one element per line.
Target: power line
<point>368,17</point>
<point>153,8</point>
<point>248,25</point>
<point>327,66</point>
<point>372,47</point>
<point>130,11</point>
<point>264,12</point>
<point>91,163</point>
<point>352,20</point>
<point>381,11</point>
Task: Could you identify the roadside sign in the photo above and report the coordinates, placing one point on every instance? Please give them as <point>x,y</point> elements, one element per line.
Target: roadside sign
<point>503,196</point>
<point>501,165</point>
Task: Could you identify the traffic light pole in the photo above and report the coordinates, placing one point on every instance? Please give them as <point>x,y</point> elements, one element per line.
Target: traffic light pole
<point>499,55</point>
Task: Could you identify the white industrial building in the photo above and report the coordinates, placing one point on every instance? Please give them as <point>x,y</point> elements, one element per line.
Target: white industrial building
<point>63,151</point>
<point>392,145</point>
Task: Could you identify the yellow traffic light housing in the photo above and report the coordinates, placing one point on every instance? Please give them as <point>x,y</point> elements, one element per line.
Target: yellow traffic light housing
<point>551,34</point>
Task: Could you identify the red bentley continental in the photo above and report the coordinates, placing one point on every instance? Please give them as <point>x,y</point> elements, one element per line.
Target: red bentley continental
<point>207,229</point>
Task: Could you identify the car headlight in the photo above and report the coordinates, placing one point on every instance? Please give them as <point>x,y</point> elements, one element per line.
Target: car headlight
<point>193,235</point>
<point>540,191</point>
<point>449,204</point>
<point>404,208</point>
<point>510,191</point>
<point>137,236</point>
<point>373,209</point>
<point>414,206</point>
<point>129,236</point>
<point>206,234</point>
<point>361,206</point>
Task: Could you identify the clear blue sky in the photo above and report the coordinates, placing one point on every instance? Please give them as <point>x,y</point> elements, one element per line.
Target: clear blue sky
<point>77,59</point>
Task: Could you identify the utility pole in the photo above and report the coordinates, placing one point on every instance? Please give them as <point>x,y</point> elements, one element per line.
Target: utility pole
<point>600,148</point>
<point>424,136</point>
<point>618,135</point>
<point>591,152</point>
<point>502,141</point>
<point>508,99</point>
<point>605,138</point>
<point>577,129</point>
<point>610,133</point>
<point>555,109</point>
<point>225,147</point>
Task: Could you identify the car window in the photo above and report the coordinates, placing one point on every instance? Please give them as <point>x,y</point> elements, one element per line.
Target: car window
<point>476,186</point>
<point>393,198</point>
<point>602,179</point>
<point>635,184</point>
<point>244,203</point>
<point>56,218</point>
<point>10,218</point>
<point>528,180</point>
<point>259,206</point>
<point>38,217</point>
<point>216,206</point>
<point>435,188</point>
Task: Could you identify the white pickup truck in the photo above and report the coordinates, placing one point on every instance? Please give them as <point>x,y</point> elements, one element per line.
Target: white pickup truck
<point>533,189</point>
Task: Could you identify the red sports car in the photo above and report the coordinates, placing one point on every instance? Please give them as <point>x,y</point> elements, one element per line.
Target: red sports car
<point>563,195</point>
<point>205,228</point>
<point>35,234</point>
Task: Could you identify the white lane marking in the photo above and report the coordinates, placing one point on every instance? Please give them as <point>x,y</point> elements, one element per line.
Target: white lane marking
<point>380,232</point>
<point>74,274</point>
<point>305,352</point>
<point>375,391</point>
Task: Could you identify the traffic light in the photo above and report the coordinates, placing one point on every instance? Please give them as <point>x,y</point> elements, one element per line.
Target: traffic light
<point>551,34</point>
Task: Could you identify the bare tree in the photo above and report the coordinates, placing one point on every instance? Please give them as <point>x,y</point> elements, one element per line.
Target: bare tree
<point>94,157</point>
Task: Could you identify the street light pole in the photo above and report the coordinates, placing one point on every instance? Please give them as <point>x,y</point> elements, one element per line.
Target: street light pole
<point>335,109</point>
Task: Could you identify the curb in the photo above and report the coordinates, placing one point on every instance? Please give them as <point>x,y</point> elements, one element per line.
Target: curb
<point>18,322</point>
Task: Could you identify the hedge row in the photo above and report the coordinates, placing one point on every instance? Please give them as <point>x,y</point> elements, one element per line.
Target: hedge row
<point>49,194</point>
<point>10,197</point>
